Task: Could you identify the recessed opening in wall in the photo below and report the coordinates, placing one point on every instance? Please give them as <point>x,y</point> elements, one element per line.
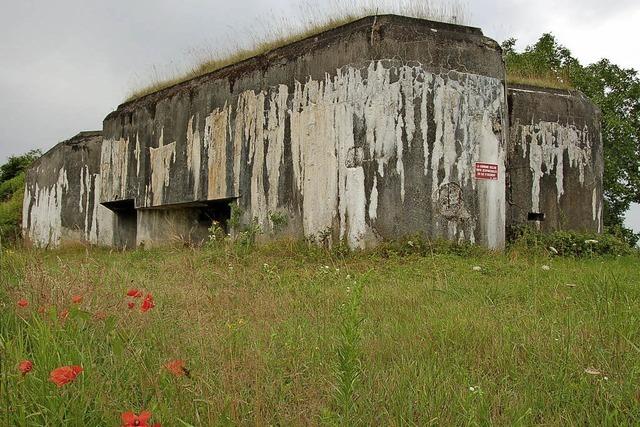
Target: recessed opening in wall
<point>535,216</point>
<point>217,210</point>
<point>125,226</point>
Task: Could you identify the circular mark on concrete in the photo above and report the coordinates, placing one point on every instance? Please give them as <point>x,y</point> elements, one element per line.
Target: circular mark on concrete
<point>450,203</point>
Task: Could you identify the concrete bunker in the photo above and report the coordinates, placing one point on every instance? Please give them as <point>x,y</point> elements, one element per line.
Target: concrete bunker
<point>367,132</point>
<point>351,134</point>
<point>555,160</point>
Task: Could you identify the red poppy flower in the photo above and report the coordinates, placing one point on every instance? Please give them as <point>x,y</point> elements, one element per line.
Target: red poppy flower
<point>147,304</point>
<point>64,314</point>
<point>129,419</point>
<point>23,303</point>
<point>134,293</point>
<point>65,374</point>
<point>176,367</point>
<point>76,299</point>
<point>131,305</point>
<point>25,367</point>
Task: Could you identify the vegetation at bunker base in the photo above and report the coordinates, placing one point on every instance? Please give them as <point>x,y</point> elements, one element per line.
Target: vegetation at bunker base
<point>289,334</point>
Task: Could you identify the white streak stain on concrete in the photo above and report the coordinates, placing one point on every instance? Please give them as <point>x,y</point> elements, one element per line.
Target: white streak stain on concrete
<point>275,136</point>
<point>546,144</point>
<point>137,153</point>
<point>114,166</point>
<point>26,204</point>
<point>373,200</point>
<point>85,200</point>
<point>313,143</point>
<point>83,185</point>
<point>215,141</point>
<point>251,106</point>
<point>596,209</point>
<point>194,147</point>
<point>45,228</point>
<point>352,202</point>
<point>160,160</point>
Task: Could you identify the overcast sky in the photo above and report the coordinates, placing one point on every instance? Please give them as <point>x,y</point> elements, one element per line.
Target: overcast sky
<point>65,64</point>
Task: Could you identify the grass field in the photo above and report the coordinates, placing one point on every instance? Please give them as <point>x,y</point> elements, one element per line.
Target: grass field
<point>291,335</point>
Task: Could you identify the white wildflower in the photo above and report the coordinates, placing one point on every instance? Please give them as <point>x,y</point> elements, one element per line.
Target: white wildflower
<point>410,243</point>
<point>477,268</point>
<point>546,267</point>
<point>472,389</point>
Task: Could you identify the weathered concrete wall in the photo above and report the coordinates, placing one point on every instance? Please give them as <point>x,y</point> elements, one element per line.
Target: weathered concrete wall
<point>62,191</point>
<point>370,131</point>
<point>555,160</point>
<point>156,226</point>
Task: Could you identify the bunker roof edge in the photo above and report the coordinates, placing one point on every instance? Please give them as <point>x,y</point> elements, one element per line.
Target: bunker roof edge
<point>76,139</point>
<point>280,52</point>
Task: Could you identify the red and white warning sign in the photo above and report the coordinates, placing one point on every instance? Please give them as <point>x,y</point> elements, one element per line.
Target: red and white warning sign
<point>486,171</point>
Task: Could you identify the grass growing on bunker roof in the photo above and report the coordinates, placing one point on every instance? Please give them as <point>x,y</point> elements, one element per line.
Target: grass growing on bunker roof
<point>543,80</point>
<point>314,18</point>
<point>542,64</point>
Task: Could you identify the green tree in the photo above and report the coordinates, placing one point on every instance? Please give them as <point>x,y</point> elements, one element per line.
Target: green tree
<point>616,91</point>
<point>11,194</point>
<point>17,164</point>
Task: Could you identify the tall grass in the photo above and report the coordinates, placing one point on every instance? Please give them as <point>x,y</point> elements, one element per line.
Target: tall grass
<point>281,335</point>
<point>271,32</point>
